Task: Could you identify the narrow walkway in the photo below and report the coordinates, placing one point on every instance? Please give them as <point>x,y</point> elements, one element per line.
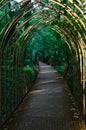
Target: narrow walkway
<point>48,106</point>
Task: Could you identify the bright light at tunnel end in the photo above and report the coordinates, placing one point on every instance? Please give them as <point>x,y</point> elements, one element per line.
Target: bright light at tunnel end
<point>18,0</point>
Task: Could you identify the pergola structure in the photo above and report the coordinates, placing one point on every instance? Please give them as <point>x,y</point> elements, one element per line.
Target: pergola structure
<point>70,23</point>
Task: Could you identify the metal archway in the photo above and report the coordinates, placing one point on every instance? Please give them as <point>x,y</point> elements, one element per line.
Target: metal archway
<point>74,24</point>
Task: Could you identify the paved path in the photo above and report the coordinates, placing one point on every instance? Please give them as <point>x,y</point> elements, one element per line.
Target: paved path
<point>48,106</point>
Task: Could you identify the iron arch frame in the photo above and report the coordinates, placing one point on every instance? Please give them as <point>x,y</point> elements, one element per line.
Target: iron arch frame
<point>75,25</point>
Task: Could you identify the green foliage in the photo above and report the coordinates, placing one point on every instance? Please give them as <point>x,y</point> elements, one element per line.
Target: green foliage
<point>60,69</point>
<point>28,70</point>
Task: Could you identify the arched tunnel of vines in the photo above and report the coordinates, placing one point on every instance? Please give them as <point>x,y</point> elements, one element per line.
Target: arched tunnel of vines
<point>48,31</point>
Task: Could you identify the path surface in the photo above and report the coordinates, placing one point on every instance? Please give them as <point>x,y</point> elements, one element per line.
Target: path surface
<point>48,106</point>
